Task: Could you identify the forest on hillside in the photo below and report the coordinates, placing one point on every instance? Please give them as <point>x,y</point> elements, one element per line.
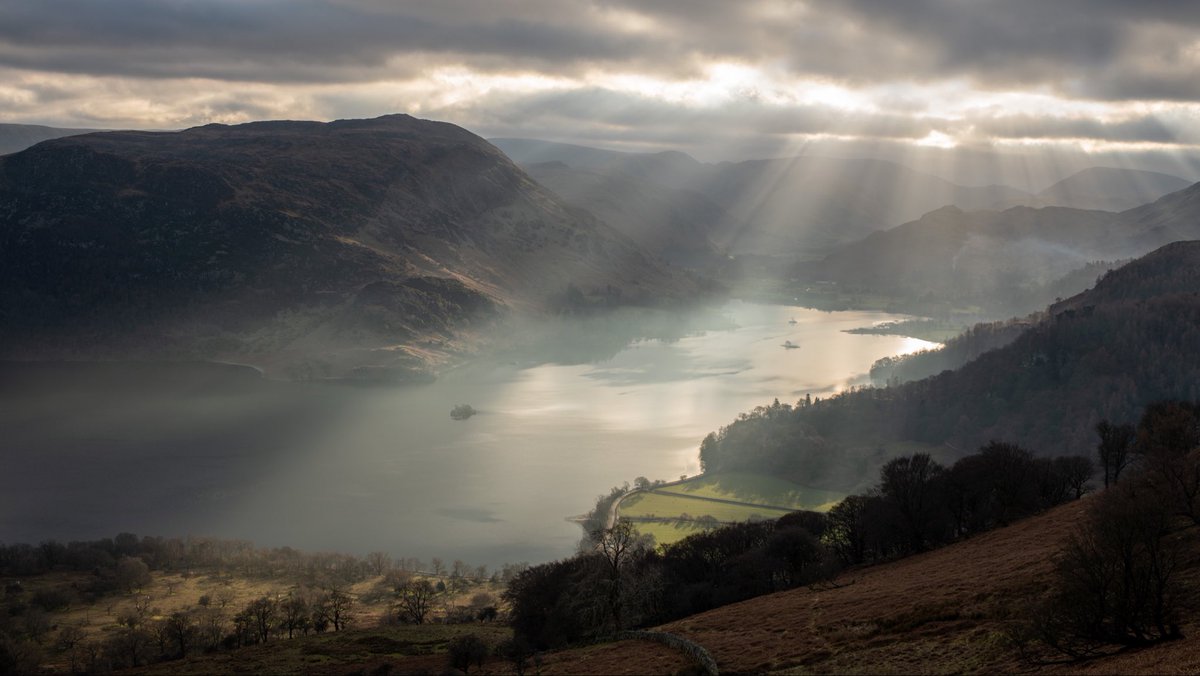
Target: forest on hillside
<point>1103,355</point>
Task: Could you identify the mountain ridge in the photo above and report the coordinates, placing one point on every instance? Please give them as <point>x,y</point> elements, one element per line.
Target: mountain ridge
<point>289,236</point>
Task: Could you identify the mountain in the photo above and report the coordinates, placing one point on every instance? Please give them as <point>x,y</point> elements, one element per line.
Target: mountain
<point>1010,262</point>
<point>1171,218</point>
<point>1006,261</point>
<point>679,225</point>
<point>793,207</point>
<point>363,240</point>
<point>1110,189</point>
<point>15,137</point>
<point>1104,354</point>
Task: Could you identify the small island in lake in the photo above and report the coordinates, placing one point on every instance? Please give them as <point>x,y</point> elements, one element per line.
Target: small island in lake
<point>462,412</point>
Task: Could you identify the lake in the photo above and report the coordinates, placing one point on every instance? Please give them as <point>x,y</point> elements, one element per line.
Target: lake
<point>319,467</point>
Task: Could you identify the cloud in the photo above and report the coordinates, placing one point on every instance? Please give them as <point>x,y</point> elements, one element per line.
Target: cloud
<point>682,73</point>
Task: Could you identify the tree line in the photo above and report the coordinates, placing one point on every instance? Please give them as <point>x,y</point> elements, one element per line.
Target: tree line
<point>624,582</point>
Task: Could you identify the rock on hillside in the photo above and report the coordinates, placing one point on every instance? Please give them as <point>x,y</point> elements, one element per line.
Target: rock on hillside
<point>286,238</point>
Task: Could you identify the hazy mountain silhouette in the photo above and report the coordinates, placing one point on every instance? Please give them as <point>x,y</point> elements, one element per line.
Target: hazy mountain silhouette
<point>16,137</point>
<point>1007,259</point>
<point>1110,189</point>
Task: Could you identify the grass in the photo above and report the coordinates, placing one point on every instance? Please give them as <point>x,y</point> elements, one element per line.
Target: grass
<point>660,505</point>
<point>671,513</point>
<point>175,591</point>
<point>367,649</point>
<point>759,489</point>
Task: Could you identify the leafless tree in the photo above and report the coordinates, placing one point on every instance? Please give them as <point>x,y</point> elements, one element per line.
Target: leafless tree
<point>414,600</point>
<point>379,562</point>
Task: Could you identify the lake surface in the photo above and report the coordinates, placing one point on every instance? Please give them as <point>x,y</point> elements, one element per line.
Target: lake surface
<point>319,467</point>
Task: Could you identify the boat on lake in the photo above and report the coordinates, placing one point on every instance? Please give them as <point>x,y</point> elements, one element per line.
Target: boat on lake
<point>789,345</point>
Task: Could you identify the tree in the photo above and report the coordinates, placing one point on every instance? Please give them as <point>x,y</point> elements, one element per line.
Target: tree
<point>1114,449</point>
<point>70,638</point>
<point>414,600</point>
<point>295,614</point>
<point>466,650</point>
<point>132,574</point>
<point>1168,442</point>
<point>379,562</point>
<point>1116,582</point>
<point>909,485</point>
<point>616,545</point>
<point>182,629</point>
<point>336,606</point>
<point>1077,471</point>
<point>438,566</point>
<point>261,615</point>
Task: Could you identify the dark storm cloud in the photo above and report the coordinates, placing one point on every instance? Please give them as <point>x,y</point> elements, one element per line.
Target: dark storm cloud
<point>301,40</point>
<point>1092,48</point>
<point>1089,48</point>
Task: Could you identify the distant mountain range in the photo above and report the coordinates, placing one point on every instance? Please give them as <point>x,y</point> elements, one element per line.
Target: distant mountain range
<point>1110,189</point>
<point>801,207</point>
<point>1008,260</point>
<point>16,137</point>
<point>386,239</point>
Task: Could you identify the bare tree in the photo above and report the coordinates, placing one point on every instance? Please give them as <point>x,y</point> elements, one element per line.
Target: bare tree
<point>379,562</point>
<point>182,628</point>
<point>1116,441</point>
<point>339,604</point>
<point>294,613</point>
<point>617,546</point>
<point>414,600</point>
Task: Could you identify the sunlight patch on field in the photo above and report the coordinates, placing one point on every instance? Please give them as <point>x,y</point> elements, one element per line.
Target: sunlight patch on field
<point>674,511</point>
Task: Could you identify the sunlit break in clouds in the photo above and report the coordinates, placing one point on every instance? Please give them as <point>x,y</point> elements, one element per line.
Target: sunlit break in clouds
<point>720,80</point>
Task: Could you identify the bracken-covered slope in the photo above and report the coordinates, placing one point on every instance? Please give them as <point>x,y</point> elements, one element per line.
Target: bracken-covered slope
<point>945,611</point>
<point>285,237</point>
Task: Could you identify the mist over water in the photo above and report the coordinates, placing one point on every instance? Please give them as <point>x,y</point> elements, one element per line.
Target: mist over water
<point>355,469</point>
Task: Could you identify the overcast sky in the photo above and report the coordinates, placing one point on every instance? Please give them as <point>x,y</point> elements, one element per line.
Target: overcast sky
<point>718,78</point>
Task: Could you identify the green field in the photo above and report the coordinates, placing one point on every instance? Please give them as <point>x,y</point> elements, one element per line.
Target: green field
<point>672,512</point>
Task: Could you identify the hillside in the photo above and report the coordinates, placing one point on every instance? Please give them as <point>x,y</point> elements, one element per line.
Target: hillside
<point>1104,354</point>
<point>1110,189</point>
<point>289,240</point>
<point>944,611</point>
<point>17,137</point>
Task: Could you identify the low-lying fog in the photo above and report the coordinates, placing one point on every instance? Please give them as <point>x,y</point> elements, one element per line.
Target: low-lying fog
<point>355,469</point>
